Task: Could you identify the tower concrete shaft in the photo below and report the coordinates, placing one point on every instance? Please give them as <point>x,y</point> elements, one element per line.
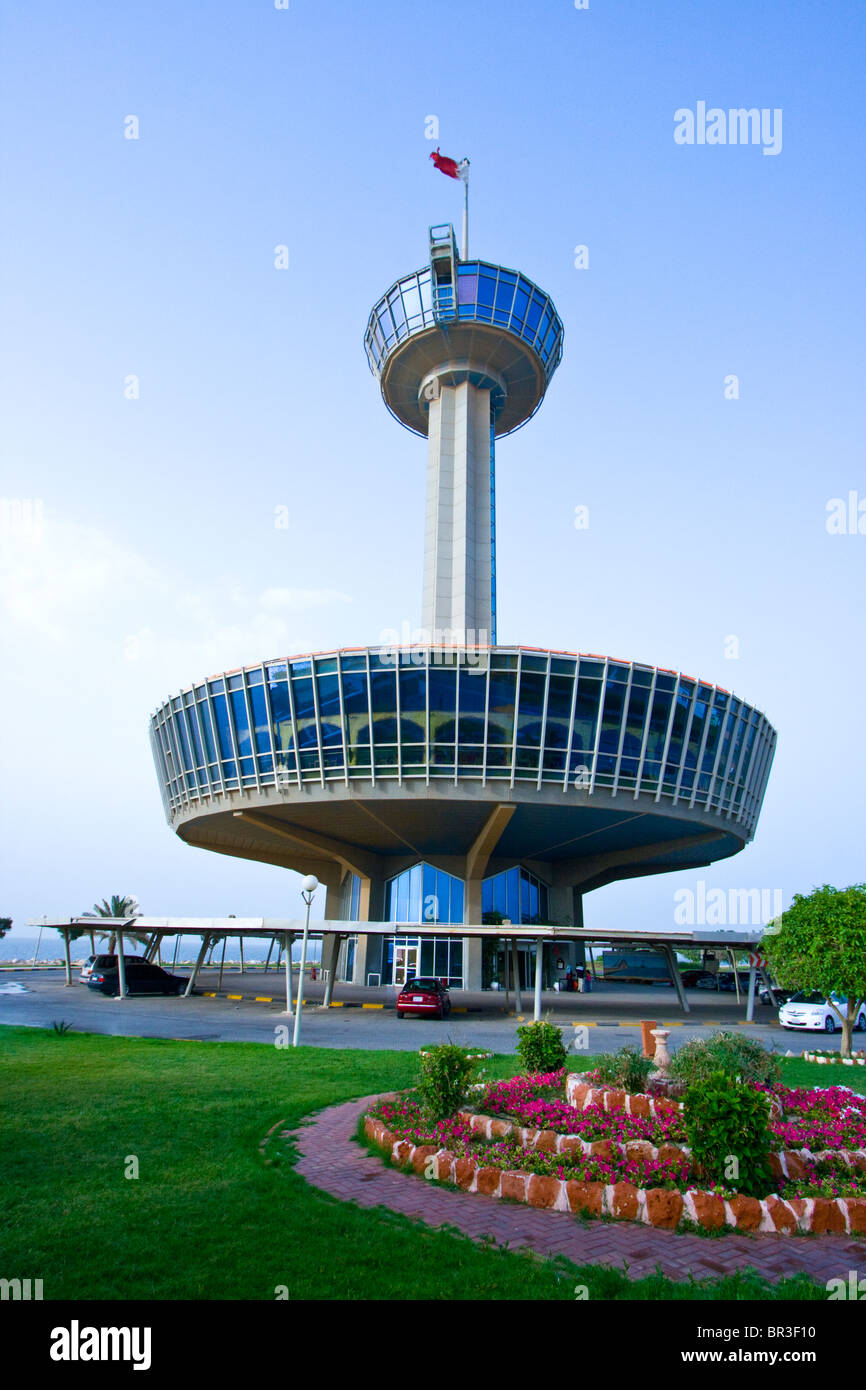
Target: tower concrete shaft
<point>459,600</point>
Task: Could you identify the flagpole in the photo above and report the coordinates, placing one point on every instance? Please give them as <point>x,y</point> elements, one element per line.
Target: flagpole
<point>465,254</point>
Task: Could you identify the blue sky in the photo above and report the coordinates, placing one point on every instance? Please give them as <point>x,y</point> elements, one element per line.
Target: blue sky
<point>158,561</point>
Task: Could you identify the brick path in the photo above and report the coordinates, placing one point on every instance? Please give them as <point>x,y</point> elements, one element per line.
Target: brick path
<point>331,1160</point>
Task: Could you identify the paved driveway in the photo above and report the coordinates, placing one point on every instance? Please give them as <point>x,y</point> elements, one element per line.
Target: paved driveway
<point>606,1019</point>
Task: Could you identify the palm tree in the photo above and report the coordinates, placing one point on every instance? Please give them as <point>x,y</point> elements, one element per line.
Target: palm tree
<point>117,906</point>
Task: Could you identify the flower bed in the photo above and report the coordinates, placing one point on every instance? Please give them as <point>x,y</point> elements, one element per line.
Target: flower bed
<point>623,1156</point>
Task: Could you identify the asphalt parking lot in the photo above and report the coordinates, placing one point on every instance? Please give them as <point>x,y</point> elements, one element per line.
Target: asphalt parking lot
<point>251,1008</point>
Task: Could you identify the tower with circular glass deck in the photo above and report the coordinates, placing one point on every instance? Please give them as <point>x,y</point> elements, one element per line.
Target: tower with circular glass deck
<point>463,351</point>
<point>441,789</point>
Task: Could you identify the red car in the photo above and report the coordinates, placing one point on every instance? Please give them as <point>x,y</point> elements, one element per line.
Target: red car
<point>424,995</point>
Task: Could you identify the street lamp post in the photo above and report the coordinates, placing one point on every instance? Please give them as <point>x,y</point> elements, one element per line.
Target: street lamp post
<point>308,888</point>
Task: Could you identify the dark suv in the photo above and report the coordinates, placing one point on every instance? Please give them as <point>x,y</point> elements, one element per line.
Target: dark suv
<point>100,963</point>
<point>141,978</point>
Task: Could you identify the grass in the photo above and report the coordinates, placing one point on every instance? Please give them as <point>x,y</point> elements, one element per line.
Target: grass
<point>206,1218</point>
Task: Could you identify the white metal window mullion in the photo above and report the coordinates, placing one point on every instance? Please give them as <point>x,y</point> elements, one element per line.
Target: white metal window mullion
<point>725,780</point>
<point>765,772</point>
<point>189,714</point>
<point>248,705</point>
<point>685,748</point>
<point>764,758</point>
<point>517,676</point>
<point>296,729</point>
<point>177,753</point>
<point>703,747</point>
<point>318,713</point>
<point>397,670</point>
<point>488,675</point>
<point>162,771</point>
<point>344,723</point>
<point>162,745</point>
<point>566,780</point>
<point>756,772</point>
<point>272,726</point>
<point>622,723</point>
<point>645,739</point>
<point>599,723</point>
<point>743,747</point>
<point>177,759</point>
<point>543,740</point>
<point>203,741</point>
<point>711,788</point>
<point>232,731</point>
<point>752,729</point>
<point>456,717</point>
<point>370,718</point>
<point>165,752</point>
<point>218,752</point>
<point>671,717</point>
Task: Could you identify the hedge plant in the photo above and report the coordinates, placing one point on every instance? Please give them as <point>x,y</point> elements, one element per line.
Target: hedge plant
<point>540,1047</point>
<point>728,1131</point>
<point>731,1053</point>
<point>446,1075</point>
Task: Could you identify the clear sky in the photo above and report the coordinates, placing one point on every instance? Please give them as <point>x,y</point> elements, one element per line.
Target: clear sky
<point>152,558</point>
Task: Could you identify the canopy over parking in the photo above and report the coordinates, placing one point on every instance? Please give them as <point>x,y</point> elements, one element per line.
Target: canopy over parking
<point>283,931</point>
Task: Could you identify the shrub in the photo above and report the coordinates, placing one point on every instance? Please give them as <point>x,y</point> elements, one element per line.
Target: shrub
<point>540,1047</point>
<point>627,1069</point>
<point>731,1053</point>
<point>728,1132</point>
<point>446,1074</point>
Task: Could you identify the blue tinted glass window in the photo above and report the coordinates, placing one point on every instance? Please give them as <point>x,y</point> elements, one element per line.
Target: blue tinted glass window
<point>456,913</point>
<point>355,692</point>
<point>182,740</point>
<point>585,714</point>
<point>443,690</point>
<point>467,288</point>
<point>411,300</point>
<point>260,716</point>
<point>204,715</point>
<point>432,910</point>
<point>504,296</point>
<point>304,702</point>
<point>222,720</point>
<point>383,692</point>
<point>499,902</point>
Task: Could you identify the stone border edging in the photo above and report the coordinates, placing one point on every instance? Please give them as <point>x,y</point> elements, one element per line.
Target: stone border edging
<point>833,1059</point>
<point>653,1206</point>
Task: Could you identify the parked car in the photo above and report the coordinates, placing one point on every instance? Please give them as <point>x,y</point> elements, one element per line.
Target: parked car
<point>726,981</point>
<point>141,978</point>
<point>782,995</point>
<point>424,995</point>
<point>812,1010</point>
<point>707,979</point>
<point>99,963</point>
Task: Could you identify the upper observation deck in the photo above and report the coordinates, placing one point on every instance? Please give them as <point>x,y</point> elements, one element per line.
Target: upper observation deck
<point>456,321</point>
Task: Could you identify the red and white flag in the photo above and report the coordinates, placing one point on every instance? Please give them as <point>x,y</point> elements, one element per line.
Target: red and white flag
<point>455,169</point>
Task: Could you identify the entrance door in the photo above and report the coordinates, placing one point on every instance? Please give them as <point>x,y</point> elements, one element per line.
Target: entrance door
<point>405,962</point>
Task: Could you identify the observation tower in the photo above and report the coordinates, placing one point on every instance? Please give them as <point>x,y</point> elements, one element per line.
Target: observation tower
<point>459,798</point>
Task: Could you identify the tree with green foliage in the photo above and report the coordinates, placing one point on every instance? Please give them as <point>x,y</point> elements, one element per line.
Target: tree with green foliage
<point>116,906</point>
<point>819,943</point>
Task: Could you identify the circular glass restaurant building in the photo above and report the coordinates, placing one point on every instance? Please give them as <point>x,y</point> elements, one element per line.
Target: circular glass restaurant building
<point>458,783</point>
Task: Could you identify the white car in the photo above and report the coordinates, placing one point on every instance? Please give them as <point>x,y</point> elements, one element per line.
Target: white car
<point>804,1010</point>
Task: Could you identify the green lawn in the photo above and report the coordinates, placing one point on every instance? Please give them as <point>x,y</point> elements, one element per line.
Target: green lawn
<point>207,1219</point>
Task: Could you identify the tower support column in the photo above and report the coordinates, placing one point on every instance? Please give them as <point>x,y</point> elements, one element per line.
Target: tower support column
<point>459,567</point>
